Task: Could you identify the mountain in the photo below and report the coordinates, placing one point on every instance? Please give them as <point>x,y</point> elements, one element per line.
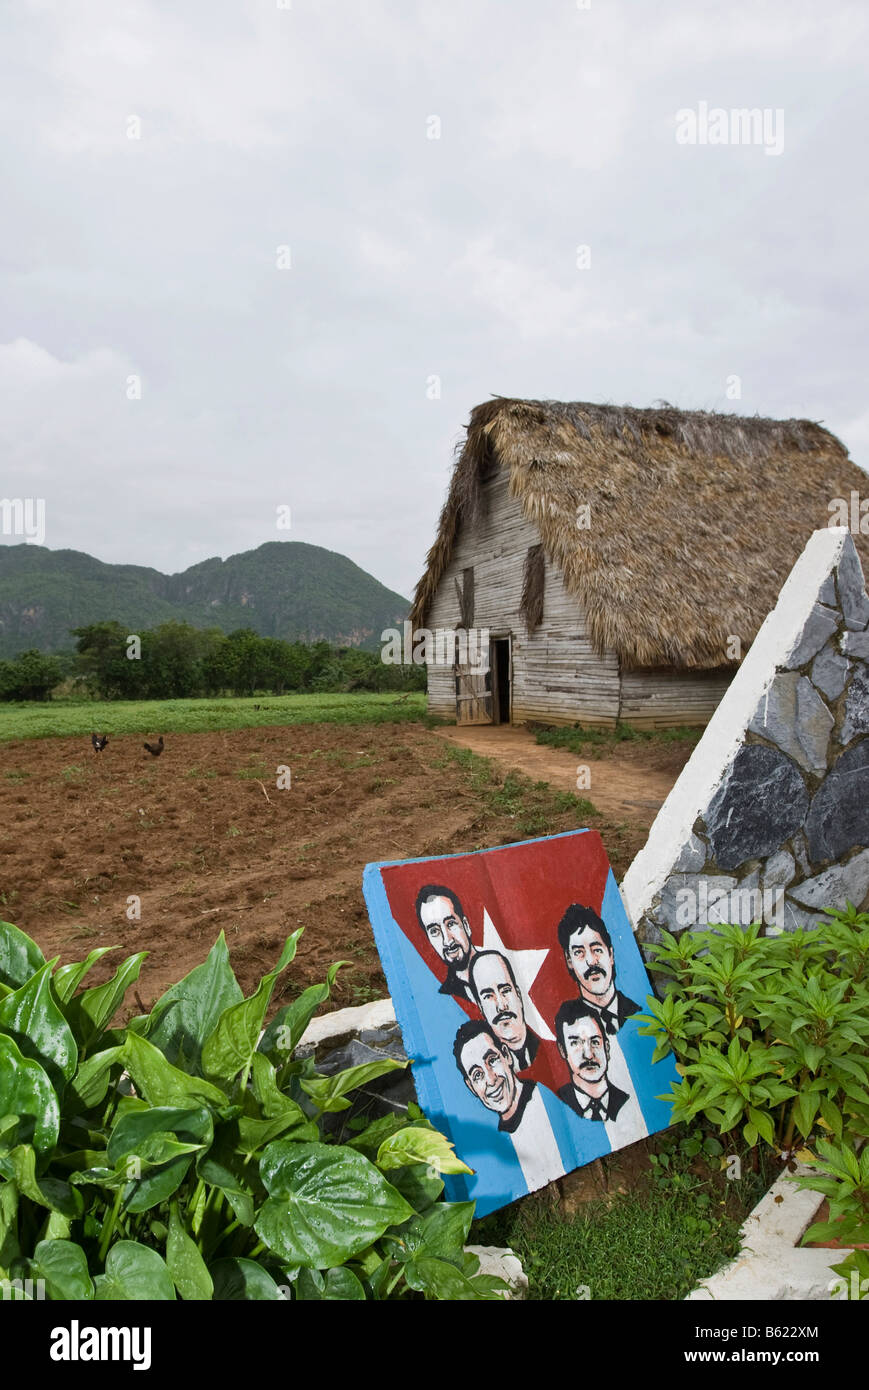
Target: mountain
<point>282,589</point>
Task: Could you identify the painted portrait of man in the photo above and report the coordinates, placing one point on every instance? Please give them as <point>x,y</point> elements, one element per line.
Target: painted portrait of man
<point>474,948</point>
<point>500,1001</point>
<point>487,1066</point>
<point>588,955</point>
<point>441,916</point>
<point>584,1045</point>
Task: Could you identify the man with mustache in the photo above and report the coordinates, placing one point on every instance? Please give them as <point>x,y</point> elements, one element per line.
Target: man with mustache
<point>442,918</point>
<point>500,1002</point>
<point>529,1114</point>
<point>588,955</point>
<point>584,1045</point>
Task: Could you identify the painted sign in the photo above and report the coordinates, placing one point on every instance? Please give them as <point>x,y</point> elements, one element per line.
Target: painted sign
<point>516,981</point>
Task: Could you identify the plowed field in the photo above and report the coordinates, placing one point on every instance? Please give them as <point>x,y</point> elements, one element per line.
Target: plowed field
<point>204,838</point>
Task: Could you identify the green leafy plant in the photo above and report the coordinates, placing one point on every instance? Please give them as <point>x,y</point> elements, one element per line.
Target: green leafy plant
<point>191,1154</point>
<point>845,1184</point>
<point>770,1033</point>
<point>770,1036</point>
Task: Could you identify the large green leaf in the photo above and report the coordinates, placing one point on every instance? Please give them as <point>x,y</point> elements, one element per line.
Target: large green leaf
<point>19,956</point>
<point>328,1092</point>
<point>67,979</point>
<point>441,1281</point>
<point>254,1134</point>
<point>268,1113</point>
<point>230,1046</point>
<point>91,1081</point>
<point>91,1011</point>
<point>418,1184</point>
<point>418,1144</point>
<point>243,1281</point>
<point>372,1136</point>
<point>26,1091</point>
<point>188,1013</point>
<point>161,1083</point>
<point>444,1230</point>
<point>191,1127</point>
<point>19,1164</point>
<point>31,1017</point>
<point>9,1246</point>
<point>186,1265</point>
<point>326,1203</point>
<point>224,1167</point>
<point>63,1266</point>
<point>159,1145</point>
<point>286,1028</point>
<point>335,1285</point>
<point>133,1273</point>
<point>271,1098</point>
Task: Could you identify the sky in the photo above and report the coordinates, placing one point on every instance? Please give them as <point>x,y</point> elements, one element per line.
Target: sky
<point>268,254</point>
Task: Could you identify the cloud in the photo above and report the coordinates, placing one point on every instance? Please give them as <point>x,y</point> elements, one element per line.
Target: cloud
<point>411,256</point>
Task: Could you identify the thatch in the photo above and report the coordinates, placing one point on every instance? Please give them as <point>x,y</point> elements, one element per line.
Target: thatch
<point>696,517</point>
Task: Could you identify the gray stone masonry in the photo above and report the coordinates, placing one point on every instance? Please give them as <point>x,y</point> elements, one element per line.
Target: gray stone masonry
<point>787,829</point>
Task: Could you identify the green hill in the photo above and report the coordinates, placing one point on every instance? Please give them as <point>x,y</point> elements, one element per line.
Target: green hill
<point>282,589</point>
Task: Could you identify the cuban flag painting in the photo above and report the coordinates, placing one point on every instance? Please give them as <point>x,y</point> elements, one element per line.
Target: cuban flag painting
<point>517,983</point>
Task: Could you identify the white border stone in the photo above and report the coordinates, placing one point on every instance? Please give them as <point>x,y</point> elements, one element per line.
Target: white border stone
<point>770,1264</point>
<point>344,1023</point>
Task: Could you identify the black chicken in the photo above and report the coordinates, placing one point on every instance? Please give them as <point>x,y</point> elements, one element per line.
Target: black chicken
<point>155,749</point>
<point>99,742</point>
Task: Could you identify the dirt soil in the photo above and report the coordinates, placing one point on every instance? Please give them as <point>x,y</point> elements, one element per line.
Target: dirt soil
<point>630,784</point>
<point>204,838</point>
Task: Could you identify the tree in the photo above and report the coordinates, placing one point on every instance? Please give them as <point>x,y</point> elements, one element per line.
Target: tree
<point>102,649</point>
<point>31,676</point>
<point>171,661</point>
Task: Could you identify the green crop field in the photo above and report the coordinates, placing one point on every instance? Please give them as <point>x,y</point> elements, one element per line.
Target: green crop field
<point>73,718</point>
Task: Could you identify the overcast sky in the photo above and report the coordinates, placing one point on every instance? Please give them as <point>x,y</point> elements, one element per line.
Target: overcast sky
<point>411,258</point>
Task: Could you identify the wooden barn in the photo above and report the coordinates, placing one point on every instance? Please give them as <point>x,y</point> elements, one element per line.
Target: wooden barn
<point>621,560</point>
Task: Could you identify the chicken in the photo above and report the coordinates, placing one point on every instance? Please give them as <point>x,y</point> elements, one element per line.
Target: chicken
<point>99,742</point>
<point>155,749</point>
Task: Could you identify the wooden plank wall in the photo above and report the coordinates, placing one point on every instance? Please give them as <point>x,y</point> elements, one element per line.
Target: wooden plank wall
<point>658,699</point>
<point>557,677</point>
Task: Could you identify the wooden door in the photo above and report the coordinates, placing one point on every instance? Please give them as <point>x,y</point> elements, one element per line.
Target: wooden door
<point>473,695</point>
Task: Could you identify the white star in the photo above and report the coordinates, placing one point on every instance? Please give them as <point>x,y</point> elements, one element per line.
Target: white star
<point>526,967</point>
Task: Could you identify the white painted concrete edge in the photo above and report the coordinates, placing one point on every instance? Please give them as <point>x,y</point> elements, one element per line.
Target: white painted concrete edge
<point>708,764</point>
<point>770,1264</point>
<point>344,1022</point>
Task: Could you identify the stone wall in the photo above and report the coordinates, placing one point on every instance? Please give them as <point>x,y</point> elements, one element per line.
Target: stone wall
<point>770,818</point>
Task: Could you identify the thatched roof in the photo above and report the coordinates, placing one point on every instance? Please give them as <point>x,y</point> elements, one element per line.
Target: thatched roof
<point>696,517</point>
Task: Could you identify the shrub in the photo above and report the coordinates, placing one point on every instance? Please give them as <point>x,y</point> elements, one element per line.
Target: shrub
<point>190,1153</point>
<point>771,1036</point>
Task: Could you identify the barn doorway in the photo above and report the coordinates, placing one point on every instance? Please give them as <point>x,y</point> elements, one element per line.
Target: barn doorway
<point>499,662</point>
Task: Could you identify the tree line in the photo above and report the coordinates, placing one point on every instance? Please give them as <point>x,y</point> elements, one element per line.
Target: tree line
<point>176,661</point>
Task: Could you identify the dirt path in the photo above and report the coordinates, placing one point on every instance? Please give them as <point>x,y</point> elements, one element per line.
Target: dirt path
<point>629,784</point>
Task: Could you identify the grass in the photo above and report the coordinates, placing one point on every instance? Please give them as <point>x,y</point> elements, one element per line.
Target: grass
<point>80,718</point>
<point>530,804</point>
<point>654,1242</point>
<point>578,740</point>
